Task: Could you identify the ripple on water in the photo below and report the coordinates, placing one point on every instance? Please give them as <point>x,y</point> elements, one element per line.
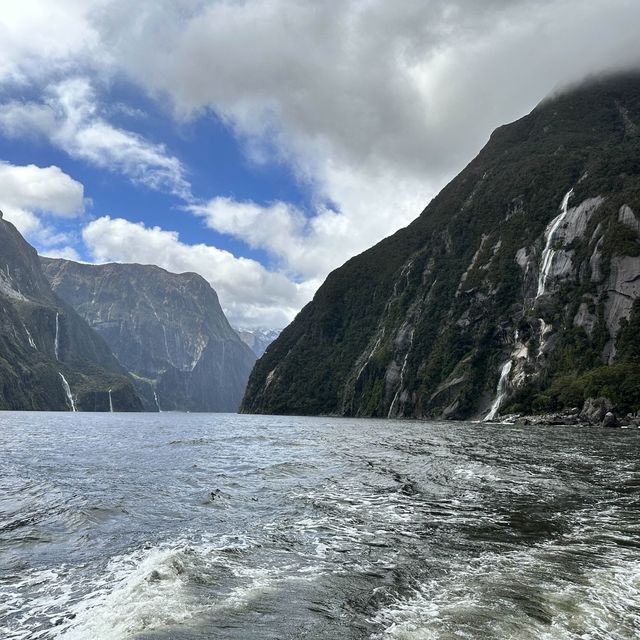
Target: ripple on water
<point>152,528</point>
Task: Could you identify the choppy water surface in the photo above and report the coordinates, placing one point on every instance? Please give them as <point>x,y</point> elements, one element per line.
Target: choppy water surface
<point>244,527</point>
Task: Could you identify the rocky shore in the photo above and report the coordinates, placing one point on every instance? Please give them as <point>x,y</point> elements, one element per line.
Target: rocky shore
<point>595,412</point>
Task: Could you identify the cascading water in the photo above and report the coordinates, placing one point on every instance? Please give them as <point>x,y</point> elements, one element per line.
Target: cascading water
<point>402,371</point>
<point>110,402</point>
<point>397,395</point>
<point>501,391</point>
<point>55,342</point>
<point>548,253</point>
<point>67,390</point>
<point>155,397</point>
<point>32,344</point>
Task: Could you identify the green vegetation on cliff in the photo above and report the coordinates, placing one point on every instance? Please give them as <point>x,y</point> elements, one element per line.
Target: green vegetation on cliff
<point>423,323</point>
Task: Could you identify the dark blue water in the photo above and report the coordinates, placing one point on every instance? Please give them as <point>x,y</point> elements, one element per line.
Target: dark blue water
<point>248,527</point>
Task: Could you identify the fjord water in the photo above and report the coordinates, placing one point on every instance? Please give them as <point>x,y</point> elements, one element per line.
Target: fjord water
<point>250,527</point>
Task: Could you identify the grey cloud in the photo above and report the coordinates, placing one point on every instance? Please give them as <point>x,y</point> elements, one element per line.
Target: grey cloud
<point>375,104</point>
<point>415,84</point>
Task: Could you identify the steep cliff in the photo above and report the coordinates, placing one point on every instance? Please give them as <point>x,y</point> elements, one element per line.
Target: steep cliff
<point>49,358</point>
<point>513,291</point>
<point>168,330</point>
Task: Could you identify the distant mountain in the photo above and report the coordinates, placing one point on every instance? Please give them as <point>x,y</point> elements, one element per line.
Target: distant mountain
<point>517,288</point>
<point>49,358</point>
<point>258,339</point>
<point>168,330</point>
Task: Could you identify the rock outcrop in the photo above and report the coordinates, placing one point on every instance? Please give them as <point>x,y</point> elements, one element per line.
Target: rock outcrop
<point>514,290</point>
<point>168,331</point>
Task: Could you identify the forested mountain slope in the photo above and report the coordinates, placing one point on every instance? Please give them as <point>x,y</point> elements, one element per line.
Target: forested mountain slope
<point>515,290</point>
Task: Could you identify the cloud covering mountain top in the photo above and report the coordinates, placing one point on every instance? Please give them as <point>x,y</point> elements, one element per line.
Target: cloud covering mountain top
<point>371,105</point>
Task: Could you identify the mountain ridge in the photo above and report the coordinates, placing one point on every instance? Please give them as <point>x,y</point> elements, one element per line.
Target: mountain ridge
<point>168,331</point>
<point>50,359</point>
<point>423,323</point>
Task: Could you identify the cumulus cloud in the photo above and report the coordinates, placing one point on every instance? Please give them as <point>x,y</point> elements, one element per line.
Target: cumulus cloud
<point>417,85</point>
<point>373,105</point>
<point>310,247</point>
<point>40,37</point>
<point>66,253</point>
<point>41,188</point>
<point>70,118</point>
<point>29,194</point>
<point>249,294</point>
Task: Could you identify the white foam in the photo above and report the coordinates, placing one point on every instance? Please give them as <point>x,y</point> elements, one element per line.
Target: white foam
<point>147,590</point>
<point>485,597</point>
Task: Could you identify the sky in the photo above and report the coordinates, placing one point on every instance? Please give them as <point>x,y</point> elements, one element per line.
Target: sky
<point>262,143</point>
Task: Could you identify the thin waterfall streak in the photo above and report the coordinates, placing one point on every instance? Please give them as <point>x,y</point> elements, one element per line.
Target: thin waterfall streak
<point>67,390</point>
<point>32,344</point>
<point>55,342</point>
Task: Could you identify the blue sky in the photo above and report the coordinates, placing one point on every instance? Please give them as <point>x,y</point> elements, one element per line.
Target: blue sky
<point>261,143</point>
<point>214,160</point>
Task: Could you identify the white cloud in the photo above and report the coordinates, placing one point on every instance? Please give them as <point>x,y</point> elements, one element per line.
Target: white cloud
<point>249,293</point>
<point>373,105</point>
<point>70,118</point>
<point>46,189</point>
<point>66,253</point>
<point>40,37</point>
<point>311,247</point>
<point>31,196</point>
<point>413,85</point>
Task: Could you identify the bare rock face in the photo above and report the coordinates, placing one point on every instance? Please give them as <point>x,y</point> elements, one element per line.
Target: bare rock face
<point>627,217</point>
<point>509,293</point>
<point>623,287</point>
<point>50,358</point>
<point>595,410</point>
<point>168,330</point>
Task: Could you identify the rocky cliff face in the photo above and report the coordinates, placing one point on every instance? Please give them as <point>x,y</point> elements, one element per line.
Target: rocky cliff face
<point>168,330</point>
<point>515,289</point>
<point>49,358</point>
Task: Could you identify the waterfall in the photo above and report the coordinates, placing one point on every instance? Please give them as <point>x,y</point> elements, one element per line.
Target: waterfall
<point>545,329</point>
<point>501,391</point>
<point>366,362</point>
<point>110,402</point>
<point>548,253</point>
<point>155,396</point>
<point>55,343</point>
<point>30,337</point>
<point>166,345</point>
<point>402,370</point>
<point>67,390</point>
